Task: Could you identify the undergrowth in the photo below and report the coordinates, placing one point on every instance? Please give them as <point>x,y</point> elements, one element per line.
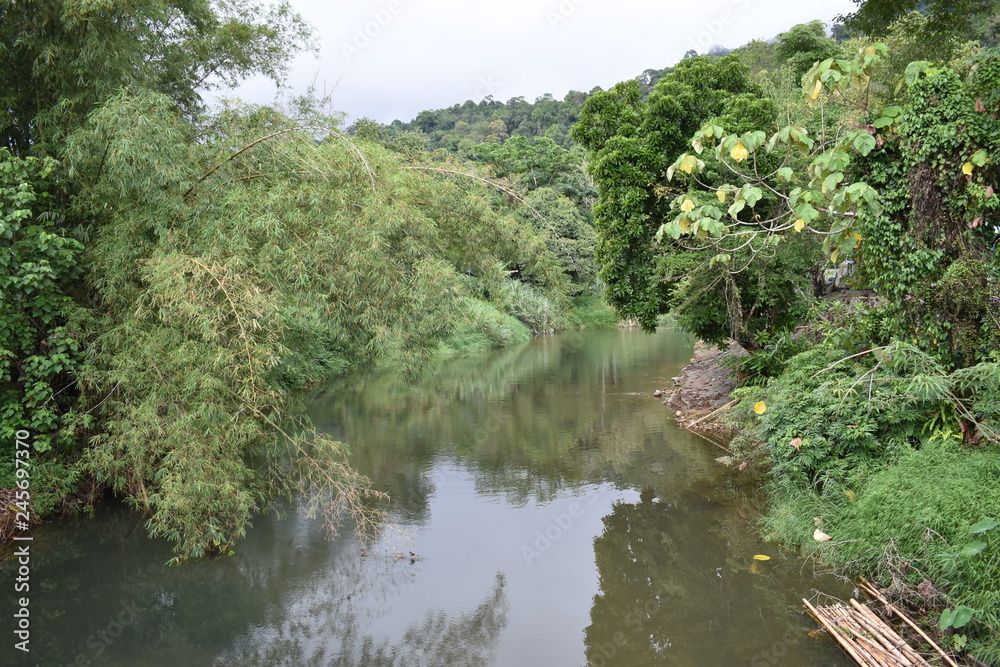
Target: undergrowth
<point>896,459</point>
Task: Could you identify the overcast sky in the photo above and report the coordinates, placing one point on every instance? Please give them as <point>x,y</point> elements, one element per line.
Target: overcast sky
<point>390,59</point>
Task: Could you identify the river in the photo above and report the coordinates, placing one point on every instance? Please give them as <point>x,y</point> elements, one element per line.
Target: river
<point>545,511</point>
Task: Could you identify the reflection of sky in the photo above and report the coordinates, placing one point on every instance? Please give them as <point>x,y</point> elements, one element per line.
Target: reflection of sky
<point>549,598</point>
<point>546,602</point>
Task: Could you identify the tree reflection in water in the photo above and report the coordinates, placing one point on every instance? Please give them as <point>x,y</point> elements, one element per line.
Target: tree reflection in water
<point>664,601</point>
<point>328,628</point>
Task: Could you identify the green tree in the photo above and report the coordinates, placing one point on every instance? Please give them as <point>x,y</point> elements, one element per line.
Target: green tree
<point>42,330</point>
<point>946,18</point>
<point>803,45</point>
<point>540,162</point>
<point>60,59</point>
<point>567,233</point>
<point>923,243</point>
<point>265,256</point>
<point>931,249</point>
<point>630,142</point>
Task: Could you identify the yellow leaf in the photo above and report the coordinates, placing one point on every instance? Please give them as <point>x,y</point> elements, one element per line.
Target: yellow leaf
<point>755,568</point>
<point>761,557</point>
<point>851,495</point>
<point>721,194</point>
<point>967,169</point>
<point>687,205</point>
<point>759,407</point>
<point>815,92</point>
<point>689,163</point>
<point>856,236</point>
<point>799,225</point>
<point>834,256</point>
<point>820,536</point>
<point>684,224</point>
<point>739,152</point>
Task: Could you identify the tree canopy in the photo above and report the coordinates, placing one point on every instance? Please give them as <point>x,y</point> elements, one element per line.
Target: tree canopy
<point>631,141</point>
<point>61,58</point>
<point>945,17</point>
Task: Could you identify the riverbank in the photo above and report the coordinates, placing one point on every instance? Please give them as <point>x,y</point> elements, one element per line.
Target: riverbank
<point>699,397</point>
<point>703,388</point>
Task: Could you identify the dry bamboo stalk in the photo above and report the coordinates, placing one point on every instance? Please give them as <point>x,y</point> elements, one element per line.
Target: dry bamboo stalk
<point>856,635</point>
<point>846,645</point>
<point>905,651</point>
<point>881,656</point>
<point>843,615</point>
<point>913,625</point>
<point>704,417</point>
<point>908,650</point>
<point>881,632</point>
<point>705,437</point>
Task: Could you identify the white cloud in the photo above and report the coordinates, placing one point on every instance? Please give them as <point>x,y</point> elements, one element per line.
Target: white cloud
<point>389,59</point>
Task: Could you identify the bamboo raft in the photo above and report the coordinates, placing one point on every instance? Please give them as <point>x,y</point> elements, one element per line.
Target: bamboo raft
<point>869,640</point>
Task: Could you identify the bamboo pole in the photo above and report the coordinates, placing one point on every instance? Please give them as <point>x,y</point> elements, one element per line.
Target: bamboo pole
<point>845,644</point>
<point>879,657</point>
<point>908,650</point>
<point>878,630</point>
<point>890,638</point>
<point>913,625</point>
<point>704,417</point>
<point>882,657</point>
<point>845,620</point>
<point>705,437</point>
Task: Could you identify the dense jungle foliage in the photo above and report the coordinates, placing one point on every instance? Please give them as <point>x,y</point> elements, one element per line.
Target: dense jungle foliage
<point>172,278</point>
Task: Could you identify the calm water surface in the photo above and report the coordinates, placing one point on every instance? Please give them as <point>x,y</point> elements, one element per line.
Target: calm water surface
<point>545,511</point>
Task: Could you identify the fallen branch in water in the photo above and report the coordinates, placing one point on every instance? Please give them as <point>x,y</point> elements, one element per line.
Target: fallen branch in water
<point>701,419</point>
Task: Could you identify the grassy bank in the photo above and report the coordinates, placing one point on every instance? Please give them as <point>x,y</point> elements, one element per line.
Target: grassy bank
<point>890,455</point>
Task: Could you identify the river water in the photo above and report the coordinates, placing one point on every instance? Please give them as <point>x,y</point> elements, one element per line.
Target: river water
<point>545,511</point>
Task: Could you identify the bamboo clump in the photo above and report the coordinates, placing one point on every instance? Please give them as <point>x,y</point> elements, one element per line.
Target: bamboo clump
<point>867,638</point>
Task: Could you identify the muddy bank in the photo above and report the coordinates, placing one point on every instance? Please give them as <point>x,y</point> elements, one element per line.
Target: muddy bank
<point>703,387</point>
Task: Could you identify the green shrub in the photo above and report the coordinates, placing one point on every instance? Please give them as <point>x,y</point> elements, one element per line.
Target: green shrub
<point>896,459</point>
<point>528,304</point>
<point>482,328</point>
<point>768,361</point>
<point>590,312</point>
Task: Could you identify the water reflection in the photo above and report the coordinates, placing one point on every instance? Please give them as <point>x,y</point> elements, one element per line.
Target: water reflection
<point>326,627</point>
<point>679,586</point>
<point>553,515</point>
